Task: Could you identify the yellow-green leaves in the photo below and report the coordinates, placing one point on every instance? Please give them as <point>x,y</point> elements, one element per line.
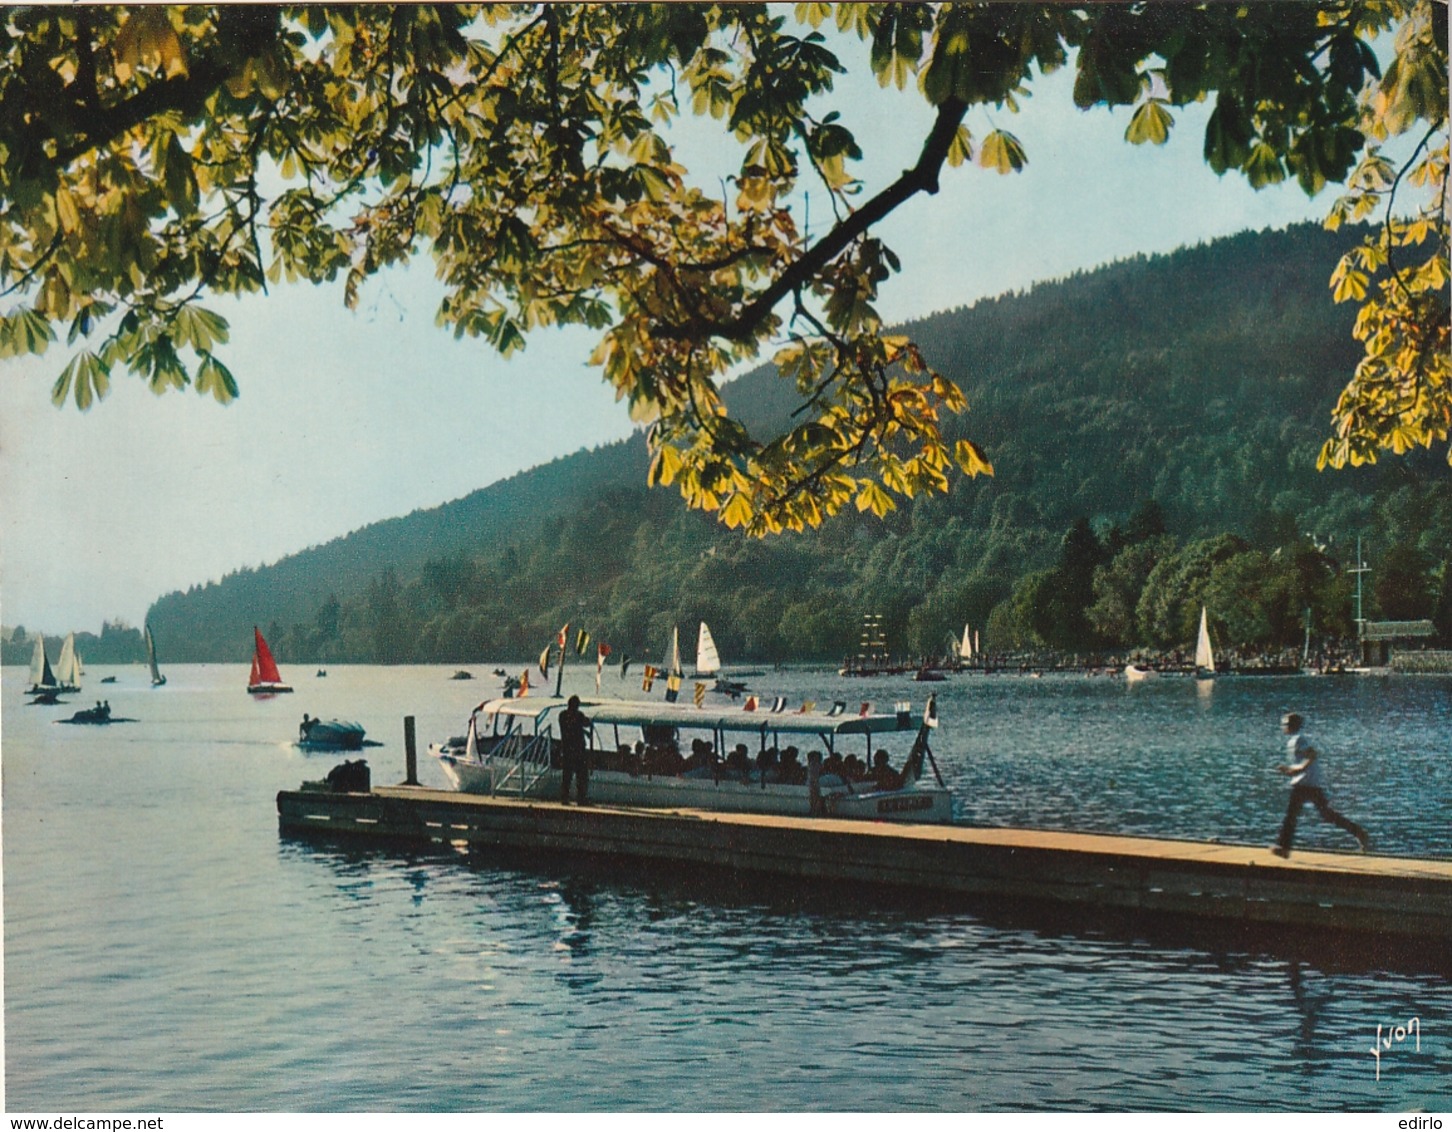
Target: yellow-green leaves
<point>1400,396</point>
<point>525,150</point>
<point>24,332</point>
<point>1151,123</point>
<point>1002,152</point>
<point>87,375</point>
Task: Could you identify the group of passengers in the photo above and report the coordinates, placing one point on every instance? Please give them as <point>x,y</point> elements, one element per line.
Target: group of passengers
<point>770,765</point>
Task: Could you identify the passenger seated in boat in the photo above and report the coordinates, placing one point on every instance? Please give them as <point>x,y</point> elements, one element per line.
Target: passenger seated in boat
<point>663,759</point>
<point>792,772</point>
<point>854,769</point>
<point>883,776</point>
<point>738,763</point>
<point>766,766</point>
<point>701,763</point>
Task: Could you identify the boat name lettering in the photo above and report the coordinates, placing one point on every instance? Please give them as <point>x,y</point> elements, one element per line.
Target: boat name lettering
<point>907,802</point>
<point>1395,1034</point>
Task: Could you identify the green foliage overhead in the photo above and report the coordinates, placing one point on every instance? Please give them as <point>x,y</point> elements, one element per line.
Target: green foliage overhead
<point>154,157</point>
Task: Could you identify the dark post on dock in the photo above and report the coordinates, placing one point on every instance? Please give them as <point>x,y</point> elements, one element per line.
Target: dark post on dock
<point>410,753</point>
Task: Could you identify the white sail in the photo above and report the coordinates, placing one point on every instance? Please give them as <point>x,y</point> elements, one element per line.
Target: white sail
<point>1204,652</point>
<point>68,667</point>
<point>156,676</point>
<point>673,657</point>
<point>708,660</point>
<point>965,650</point>
<point>37,661</point>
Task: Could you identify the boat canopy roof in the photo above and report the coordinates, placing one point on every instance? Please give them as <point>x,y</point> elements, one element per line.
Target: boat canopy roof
<point>644,713</point>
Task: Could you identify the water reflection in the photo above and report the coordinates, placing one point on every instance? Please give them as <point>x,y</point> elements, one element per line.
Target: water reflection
<point>833,919</point>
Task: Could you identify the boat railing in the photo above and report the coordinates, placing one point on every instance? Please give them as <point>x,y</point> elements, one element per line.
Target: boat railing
<point>520,762</point>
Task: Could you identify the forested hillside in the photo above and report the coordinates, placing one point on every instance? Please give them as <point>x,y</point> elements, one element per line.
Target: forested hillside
<point>1153,425</point>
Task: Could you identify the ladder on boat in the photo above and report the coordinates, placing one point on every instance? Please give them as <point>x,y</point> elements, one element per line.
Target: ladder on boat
<point>521,762</point>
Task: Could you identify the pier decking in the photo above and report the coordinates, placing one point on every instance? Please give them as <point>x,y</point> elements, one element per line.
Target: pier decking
<point>1390,896</point>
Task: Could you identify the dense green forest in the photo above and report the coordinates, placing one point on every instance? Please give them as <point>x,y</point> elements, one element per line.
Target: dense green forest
<point>1153,424</point>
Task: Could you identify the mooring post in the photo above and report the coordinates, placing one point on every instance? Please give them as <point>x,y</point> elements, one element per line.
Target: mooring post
<point>410,753</point>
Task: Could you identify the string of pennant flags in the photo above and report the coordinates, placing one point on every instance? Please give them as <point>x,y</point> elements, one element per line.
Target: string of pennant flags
<point>674,680</point>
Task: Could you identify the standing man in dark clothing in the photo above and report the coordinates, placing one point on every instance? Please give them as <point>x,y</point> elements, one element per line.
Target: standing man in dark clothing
<point>1308,784</point>
<point>573,725</point>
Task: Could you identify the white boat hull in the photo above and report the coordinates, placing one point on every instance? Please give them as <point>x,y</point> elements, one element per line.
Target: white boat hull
<point>617,788</point>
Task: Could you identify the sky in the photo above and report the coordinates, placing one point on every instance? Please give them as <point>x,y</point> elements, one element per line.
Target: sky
<point>346,418</point>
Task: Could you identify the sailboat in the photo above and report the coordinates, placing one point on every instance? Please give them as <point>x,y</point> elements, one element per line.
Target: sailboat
<point>157,679</point>
<point>42,680</point>
<point>68,666</point>
<point>708,659</point>
<point>265,679</point>
<point>1204,651</point>
<point>672,666</point>
<point>708,663</point>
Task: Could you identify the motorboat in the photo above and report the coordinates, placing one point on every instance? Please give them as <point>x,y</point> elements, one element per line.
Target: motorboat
<point>329,735</point>
<point>805,762</point>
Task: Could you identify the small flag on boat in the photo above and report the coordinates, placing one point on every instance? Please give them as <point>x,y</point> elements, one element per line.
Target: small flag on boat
<point>648,680</point>
<point>524,683</point>
<point>582,642</point>
<point>778,704</point>
<point>544,663</point>
<point>750,704</point>
<point>865,709</point>
<point>624,665</point>
<point>564,635</point>
<point>700,694</point>
<point>602,650</point>
<point>838,707</point>
<point>930,713</point>
<point>808,705</point>
<point>673,687</point>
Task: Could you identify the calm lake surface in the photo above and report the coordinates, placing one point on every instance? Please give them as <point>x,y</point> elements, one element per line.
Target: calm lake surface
<point>167,950</point>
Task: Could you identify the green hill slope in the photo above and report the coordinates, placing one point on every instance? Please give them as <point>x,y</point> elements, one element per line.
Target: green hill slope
<point>1201,380</point>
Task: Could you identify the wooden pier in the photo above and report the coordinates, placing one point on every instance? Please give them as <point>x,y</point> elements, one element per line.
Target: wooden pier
<point>1389,896</point>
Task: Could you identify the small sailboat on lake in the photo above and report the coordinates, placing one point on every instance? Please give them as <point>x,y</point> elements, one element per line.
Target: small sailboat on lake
<point>157,679</point>
<point>43,683</point>
<point>708,663</point>
<point>1204,650</point>
<point>264,679</point>
<point>68,666</point>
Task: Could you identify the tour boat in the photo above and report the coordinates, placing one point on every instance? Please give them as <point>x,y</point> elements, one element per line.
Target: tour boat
<point>264,679</point>
<point>757,758</point>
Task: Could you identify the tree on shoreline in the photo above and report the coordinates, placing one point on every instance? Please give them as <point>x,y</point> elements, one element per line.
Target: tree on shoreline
<point>527,149</point>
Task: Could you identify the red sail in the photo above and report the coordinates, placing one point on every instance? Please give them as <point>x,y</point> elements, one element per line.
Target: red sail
<point>264,668</point>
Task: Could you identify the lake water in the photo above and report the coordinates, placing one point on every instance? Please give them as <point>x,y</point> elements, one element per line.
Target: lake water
<point>167,950</point>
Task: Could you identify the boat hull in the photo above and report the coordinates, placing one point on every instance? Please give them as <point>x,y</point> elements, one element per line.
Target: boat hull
<point>267,689</point>
<point>332,735</point>
<point>617,788</point>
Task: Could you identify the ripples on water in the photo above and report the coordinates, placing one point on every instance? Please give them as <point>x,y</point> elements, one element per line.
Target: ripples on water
<point>166,950</point>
